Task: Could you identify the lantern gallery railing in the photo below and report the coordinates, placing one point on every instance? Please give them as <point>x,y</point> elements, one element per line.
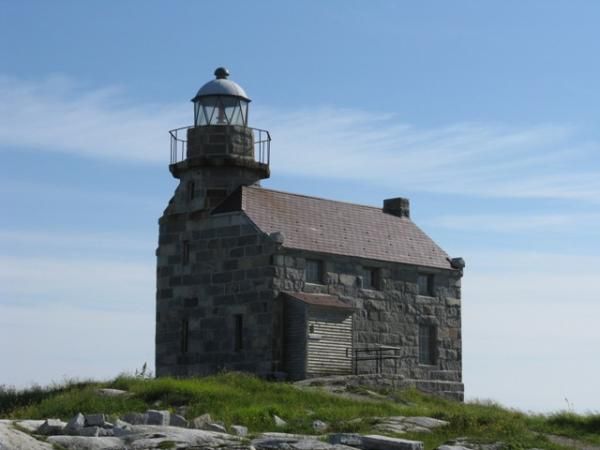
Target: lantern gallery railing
<point>262,145</point>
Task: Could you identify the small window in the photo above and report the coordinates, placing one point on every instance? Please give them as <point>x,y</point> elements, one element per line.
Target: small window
<point>191,190</point>
<point>426,284</point>
<point>185,331</point>
<point>238,341</point>
<point>185,252</point>
<point>427,344</point>
<point>313,271</point>
<point>370,278</point>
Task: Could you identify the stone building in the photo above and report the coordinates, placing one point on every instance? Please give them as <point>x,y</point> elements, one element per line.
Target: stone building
<point>271,282</point>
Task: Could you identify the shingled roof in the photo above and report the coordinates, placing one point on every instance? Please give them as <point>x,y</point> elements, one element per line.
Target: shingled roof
<point>328,226</point>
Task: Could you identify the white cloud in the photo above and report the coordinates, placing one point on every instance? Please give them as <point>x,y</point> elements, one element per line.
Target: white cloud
<point>546,161</point>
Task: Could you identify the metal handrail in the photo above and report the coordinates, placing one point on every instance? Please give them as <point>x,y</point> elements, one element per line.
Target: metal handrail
<point>379,353</point>
<point>262,145</point>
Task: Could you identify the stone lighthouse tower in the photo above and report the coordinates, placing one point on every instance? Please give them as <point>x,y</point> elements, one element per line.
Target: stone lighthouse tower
<point>211,159</point>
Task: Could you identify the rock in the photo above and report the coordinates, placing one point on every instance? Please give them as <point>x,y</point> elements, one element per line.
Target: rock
<point>319,426</point>
<point>156,417</point>
<point>426,422</point>
<point>201,421</point>
<point>87,443</point>
<point>76,423</point>
<point>279,422</point>
<point>182,410</point>
<point>178,421</point>
<point>92,431</point>
<point>352,440</point>
<point>376,442</point>
<point>216,426</point>
<point>239,430</point>
<point>268,441</point>
<point>453,447</point>
<point>121,428</point>
<point>51,427</point>
<point>135,418</point>
<point>106,392</point>
<point>13,439</point>
<point>30,426</point>
<point>95,420</point>
<point>151,436</point>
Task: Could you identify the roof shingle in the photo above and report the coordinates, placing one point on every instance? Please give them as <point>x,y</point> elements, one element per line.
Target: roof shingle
<point>328,226</point>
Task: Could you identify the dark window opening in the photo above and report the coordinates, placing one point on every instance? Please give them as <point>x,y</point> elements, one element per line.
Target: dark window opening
<point>238,341</point>
<point>426,284</point>
<point>184,335</point>
<point>313,271</point>
<point>191,190</point>
<point>427,344</point>
<point>311,328</point>
<point>185,252</point>
<point>371,278</point>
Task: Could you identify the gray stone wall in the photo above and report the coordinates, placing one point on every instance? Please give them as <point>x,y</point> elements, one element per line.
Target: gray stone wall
<point>391,314</point>
<point>228,273</point>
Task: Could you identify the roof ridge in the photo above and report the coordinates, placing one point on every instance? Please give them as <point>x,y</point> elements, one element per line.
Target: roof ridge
<point>260,188</point>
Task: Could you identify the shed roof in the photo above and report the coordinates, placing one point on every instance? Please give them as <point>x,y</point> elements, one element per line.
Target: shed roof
<point>323,300</point>
<point>329,226</point>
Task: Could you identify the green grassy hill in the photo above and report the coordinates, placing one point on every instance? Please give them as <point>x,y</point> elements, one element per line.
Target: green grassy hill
<point>243,399</point>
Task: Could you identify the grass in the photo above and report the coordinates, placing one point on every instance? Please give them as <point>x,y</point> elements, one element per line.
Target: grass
<point>244,399</point>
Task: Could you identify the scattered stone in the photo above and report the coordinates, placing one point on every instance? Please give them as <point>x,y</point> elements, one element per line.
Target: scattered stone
<point>182,410</point>
<point>376,442</point>
<point>319,426</point>
<point>135,418</point>
<point>93,431</point>
<point>13,439</point>
<point>76,423</point>
<point>178,421</point>
<point>279,422</point>
<point>87,443</point>
<point>426,422</point>
<point>352,440</point>
<point>106,392</point>
<point>273,441</point>
<point>156,417</point>
<point>453,447</point>
<point>216,426</point>
<point>151,436</point>
<point>201,421</point>
<point>121,428</point>
<point>51,427</point>
<point>95,420</point>
<point>239,430</point>
<point>31,426</point>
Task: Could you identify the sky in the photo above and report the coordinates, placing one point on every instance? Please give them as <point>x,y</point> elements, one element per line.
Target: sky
<point>484,114</point>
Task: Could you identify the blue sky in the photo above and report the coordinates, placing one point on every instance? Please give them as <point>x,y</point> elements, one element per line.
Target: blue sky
<point>485,114</point>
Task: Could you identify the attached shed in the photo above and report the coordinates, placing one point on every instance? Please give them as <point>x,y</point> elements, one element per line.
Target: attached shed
<point>318,335</point>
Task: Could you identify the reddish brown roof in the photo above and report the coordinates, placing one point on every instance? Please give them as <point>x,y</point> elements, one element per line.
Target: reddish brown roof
<point>328,226</point>
<point>324,300</point>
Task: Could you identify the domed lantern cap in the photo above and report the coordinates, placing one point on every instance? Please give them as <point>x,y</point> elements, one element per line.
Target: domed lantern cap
<point>221,102</point>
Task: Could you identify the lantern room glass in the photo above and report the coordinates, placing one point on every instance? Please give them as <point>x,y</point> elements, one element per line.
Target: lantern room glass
<point>220,110</point>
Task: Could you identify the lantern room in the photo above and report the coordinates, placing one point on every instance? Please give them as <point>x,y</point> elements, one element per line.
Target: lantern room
<point>221,102</point>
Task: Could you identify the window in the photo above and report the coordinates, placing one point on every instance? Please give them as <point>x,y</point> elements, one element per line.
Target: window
<point>191,190</point>
<point>313,271</point>
<point>238,324</point>
<point>185,331</point>
<point>426,284</point>
<point>427,344</point>
<point>185,252</point>
<point>370,278</point>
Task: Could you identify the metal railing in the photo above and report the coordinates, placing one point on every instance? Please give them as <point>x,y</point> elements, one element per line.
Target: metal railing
<point>262,145</point>
<point>378,353</point>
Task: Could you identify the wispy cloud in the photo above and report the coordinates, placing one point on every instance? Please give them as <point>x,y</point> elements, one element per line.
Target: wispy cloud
<point>489,160</point>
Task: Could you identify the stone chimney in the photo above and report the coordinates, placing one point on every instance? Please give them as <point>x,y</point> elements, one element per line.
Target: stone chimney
<point>398,206</point>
